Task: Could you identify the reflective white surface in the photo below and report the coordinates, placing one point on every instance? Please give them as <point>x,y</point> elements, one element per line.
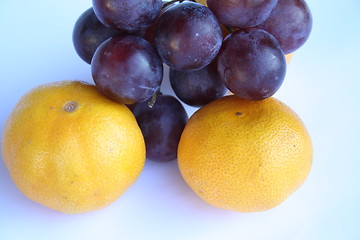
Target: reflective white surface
<point>321,86</point>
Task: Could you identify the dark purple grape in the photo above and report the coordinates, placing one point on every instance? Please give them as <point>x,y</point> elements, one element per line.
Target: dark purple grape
<point>241,13</point>
<point>290,23</point>
<point>131,106</point>
<point>161,126</point>
<point>197,88</point>
<point>252,64</point>
<point>88,34</point>
<point>127,69</point>
<point>188,36</point>
<point>124,15</point>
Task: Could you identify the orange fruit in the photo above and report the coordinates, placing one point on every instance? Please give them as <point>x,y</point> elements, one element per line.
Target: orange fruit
<point>71,149</point>
<point>203,2</point>
<point>244,155</point>
<point>289,57</point>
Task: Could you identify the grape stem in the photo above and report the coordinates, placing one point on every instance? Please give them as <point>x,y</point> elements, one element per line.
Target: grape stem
<point>152,101</point>
<point>174,1</point>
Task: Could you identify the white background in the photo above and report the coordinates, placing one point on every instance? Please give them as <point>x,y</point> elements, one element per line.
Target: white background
<point>322,86</point>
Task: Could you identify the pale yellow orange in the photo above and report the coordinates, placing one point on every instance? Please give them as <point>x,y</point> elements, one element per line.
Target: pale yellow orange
<point>289,57</point>
<point>244,155</point>
<point>70,148</point>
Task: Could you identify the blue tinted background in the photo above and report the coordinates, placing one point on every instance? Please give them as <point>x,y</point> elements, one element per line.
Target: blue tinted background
<point>322,86</point>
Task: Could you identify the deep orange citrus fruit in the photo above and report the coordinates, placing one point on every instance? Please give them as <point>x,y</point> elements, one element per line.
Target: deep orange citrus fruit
<point>245,155</point>
<point>70,148</point>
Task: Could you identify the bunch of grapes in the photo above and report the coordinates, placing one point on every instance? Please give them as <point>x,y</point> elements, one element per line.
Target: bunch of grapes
<point>228,45</point>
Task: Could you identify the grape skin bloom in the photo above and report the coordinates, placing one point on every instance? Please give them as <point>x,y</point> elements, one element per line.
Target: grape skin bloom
<point>199,87</point>
<point>188,36</point>
<point>290,23</point>
<point>88,34</point>
<point>127,69</point>
<point>241,13</point>
<point>127,15</point>
<point>252,64</point>
<point>161,126</point>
